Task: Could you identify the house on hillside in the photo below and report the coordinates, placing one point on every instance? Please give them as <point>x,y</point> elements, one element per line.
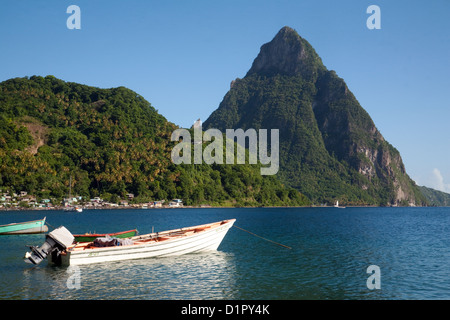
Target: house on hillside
<point>176,203</point>
<point>157,204</point>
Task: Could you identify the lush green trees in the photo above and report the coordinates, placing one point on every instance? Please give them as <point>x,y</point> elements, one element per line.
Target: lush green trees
<point>111,142</point>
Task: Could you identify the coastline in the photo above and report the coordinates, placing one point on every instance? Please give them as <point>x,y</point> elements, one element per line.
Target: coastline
<point>61,208</point>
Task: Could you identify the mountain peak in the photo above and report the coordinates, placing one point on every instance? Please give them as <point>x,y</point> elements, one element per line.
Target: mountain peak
<point>329,146</point>
<point>287,54</point>
<point>286,30</point>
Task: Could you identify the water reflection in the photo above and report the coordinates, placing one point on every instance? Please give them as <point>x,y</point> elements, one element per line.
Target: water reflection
<point>42,282</point>
<point>193,276</point>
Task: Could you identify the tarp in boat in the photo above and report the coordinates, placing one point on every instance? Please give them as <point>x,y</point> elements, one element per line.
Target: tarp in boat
<point>108,241</point>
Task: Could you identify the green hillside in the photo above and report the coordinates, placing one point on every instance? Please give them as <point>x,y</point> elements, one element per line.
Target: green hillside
<point>435,197</point>
<point>111,142</point>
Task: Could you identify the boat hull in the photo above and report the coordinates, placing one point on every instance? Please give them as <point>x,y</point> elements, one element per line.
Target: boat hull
<point>204,241</point>
<point>29,227</point>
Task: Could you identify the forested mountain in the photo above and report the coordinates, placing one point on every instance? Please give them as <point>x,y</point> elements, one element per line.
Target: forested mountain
<point>330,148</point>
<point>111,142</point>
<point>435,197</point>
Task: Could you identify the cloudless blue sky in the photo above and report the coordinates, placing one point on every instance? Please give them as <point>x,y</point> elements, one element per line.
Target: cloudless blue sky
<point>182,55</point>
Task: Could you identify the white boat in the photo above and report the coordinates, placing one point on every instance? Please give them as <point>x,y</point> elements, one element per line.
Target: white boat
<point>337,205</point>
<point>76,208</point>
<point>200,238</point>
<point>69,206</point>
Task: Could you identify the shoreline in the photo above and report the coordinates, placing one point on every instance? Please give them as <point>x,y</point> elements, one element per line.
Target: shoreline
<point>197,207</point>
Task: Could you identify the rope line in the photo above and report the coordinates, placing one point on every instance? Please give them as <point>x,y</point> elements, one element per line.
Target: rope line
<point>262,237</point>
<point>49,225</point>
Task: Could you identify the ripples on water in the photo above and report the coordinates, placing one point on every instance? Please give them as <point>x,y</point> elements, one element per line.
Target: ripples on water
<point>331,250</point>
<point>196,276</point>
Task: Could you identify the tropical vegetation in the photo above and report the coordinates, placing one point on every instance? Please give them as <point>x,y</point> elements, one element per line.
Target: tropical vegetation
<point>111,142</point>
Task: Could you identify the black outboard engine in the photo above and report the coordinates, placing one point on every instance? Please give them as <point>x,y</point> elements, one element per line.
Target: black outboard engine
<point>55,242</point>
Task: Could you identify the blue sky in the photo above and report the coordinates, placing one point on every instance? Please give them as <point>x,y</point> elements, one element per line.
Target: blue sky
<point>182,55</point>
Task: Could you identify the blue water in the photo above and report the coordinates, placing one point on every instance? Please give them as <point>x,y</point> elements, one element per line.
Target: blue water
<point>331,251</point>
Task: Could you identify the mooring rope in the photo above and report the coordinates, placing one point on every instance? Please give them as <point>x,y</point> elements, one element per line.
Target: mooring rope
<point>49,225</point>
<point>262,237</point>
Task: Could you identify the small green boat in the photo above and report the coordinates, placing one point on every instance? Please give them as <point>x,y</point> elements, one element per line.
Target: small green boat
<point>89,237</point>
<point>28,227</point>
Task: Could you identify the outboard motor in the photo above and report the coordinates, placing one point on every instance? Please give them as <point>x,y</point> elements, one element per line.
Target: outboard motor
<point>55,242</point>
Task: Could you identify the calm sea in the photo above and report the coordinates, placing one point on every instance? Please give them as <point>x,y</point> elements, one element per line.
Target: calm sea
<point>331,251</point>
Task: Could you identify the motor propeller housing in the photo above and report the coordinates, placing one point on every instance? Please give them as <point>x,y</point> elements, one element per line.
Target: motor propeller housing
<point>56,241</point>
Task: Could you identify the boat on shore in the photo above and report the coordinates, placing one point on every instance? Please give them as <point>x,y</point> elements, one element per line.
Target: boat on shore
<point>60,249</point>
<point>73,208</point>
<point>89,237</point>
<point>69,206</point>
<point>337,205</point>
<point>27,227</point>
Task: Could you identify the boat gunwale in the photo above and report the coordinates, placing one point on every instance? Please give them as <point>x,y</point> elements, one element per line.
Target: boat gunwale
<point>24,222</point>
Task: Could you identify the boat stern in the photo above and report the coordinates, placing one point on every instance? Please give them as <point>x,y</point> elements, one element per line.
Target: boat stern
<point>55,243</point>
